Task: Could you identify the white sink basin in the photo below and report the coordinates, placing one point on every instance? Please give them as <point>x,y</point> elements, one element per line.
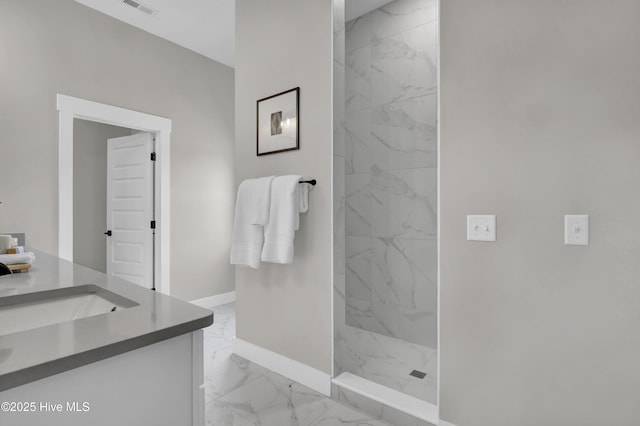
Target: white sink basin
<point>33,310</point>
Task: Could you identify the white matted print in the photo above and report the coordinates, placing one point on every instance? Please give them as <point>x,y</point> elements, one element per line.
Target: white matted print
<point>278,122</point>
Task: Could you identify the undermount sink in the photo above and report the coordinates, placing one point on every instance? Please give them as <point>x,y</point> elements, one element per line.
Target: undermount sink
<point>28,311</point>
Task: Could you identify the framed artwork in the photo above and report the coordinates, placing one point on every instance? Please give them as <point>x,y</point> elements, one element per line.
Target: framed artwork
<point>278,122</point>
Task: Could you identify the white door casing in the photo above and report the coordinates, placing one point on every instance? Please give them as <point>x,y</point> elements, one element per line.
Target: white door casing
<point>71,108</point>
<point>130,208</point>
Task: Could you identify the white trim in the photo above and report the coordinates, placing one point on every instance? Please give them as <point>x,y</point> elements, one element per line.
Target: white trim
<point>438,212</point>
<point>390,397</point>
<point>71,108</point>
<point>443,423</point>
<point>217,300</point>
<point>332,203</point>
<point>294,370</point>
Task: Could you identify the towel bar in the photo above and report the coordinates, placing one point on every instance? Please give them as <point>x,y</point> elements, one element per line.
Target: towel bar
<point>310,182</point>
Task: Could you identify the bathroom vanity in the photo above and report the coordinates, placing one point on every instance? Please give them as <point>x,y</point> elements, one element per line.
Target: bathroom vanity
<point>80,348</point>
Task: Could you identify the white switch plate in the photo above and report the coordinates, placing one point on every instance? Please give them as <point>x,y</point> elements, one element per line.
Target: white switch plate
<point>481,227</point>
<point>576,229</point>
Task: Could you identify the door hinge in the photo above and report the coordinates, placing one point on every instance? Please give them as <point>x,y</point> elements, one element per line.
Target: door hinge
<point>153,156</point>
<point>153,224</point>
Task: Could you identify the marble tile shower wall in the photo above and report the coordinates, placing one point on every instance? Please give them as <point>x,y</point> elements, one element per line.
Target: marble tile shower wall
<point>389,159</point>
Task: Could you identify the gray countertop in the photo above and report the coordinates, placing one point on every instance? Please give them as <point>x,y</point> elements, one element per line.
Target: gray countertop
<point>31,355</point>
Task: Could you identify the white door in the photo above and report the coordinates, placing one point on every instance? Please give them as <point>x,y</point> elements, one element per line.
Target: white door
<point>130,208</point>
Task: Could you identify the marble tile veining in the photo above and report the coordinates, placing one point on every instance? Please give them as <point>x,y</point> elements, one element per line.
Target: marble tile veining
<point>339,43</point>
<point>358,142</point>
<point>392,204</point>
<point>358,32</point>
<point>339,215</point>
<point>396,136</point>
<point>404,66</point>
<point>392,287</point>
<point>241,393</point>
<point>358,79</point>
<point>387,361</point>
<point>403,134</point>
<point>385,297</point>
<point>273,401</point>
<point>401,15</point>
<point>217,414</point>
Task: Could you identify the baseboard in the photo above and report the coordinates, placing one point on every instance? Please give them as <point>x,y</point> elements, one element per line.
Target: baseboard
<point>292,369</point>
<point>217,300</point>
<point>443,423</point>
<point>390,397</point>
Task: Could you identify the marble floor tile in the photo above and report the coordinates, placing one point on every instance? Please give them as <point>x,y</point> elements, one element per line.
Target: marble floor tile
<point>226,372</point>
<point>272,401</point>
<point>241,393</point>
<point>218,414</point>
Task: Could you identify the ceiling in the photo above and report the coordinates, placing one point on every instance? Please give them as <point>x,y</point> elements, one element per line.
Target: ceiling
<point>204,26</point>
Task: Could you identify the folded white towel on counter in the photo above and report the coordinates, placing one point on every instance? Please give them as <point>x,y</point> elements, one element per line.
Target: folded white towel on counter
<point>284,218</point>
<point>252,213</point>
<point>14,259</point>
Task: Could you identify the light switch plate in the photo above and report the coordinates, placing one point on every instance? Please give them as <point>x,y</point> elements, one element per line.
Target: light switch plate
<point>576,229</point>
<point>481,227</point>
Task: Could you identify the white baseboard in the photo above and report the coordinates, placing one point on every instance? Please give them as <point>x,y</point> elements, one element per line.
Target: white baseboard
<point>292,369</point>
<point>443,423</point>
<point>217,300</point>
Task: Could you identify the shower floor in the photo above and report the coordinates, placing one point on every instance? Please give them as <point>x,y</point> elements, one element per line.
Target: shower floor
<point>387,361</point>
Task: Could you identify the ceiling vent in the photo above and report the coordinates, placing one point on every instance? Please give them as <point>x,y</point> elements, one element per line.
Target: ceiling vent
<point>141,7</point>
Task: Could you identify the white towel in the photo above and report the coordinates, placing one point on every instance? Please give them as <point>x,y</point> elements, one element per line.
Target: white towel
<point>304,197</point>
<point>252,213</point>
<point>284,218</point>
<point>14,259</point>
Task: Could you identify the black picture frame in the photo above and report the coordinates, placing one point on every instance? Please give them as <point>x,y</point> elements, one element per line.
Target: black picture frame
<point>278,122</point>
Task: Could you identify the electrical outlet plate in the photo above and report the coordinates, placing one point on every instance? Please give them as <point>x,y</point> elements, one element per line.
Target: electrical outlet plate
<point>481,227</point>
<point>576,229</point>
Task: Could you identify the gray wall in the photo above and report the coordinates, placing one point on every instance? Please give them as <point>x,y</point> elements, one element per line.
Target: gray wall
<point>90,191</point>
<point>282,44</point>
<point>540,118</point>
<point>64,47</point>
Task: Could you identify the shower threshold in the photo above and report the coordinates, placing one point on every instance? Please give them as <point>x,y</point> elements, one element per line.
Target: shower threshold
<point>390,397</point>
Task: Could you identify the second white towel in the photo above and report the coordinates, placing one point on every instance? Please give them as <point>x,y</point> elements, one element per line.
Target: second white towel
<point>288,199</point>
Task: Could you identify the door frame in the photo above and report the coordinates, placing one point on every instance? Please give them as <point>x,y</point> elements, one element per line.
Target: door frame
<point>70,108</point>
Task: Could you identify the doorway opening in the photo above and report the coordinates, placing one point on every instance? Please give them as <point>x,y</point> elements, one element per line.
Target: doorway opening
<point>159,129</point>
